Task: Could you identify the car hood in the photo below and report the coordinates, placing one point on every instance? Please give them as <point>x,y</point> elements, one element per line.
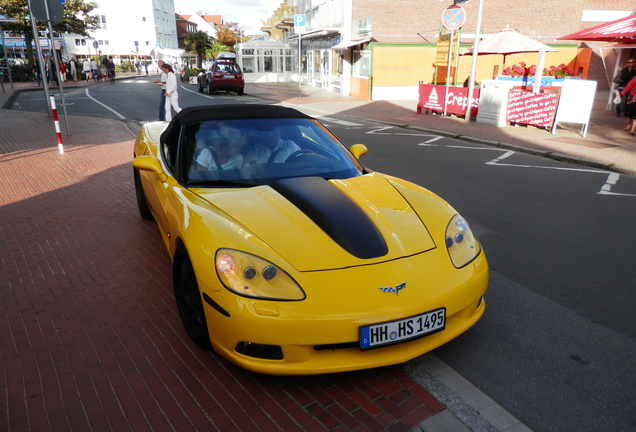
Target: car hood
<point>317,224</point>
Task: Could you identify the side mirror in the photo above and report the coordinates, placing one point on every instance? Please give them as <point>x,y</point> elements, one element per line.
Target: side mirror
<point>358,150</point>
<point>150,163</point>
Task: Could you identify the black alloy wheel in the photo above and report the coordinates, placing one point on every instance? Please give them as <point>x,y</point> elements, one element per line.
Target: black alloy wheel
<point>188,296</point>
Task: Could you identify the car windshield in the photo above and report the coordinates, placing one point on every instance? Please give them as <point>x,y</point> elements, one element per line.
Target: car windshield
<point>260,151</point>
<point>227,68</point>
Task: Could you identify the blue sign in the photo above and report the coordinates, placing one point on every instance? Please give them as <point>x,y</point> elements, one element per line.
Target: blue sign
<point>299,20</point>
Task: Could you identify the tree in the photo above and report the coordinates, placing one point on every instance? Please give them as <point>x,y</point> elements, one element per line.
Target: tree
<point>226,35</point>
<point>77,19</point>
<point>218,47</point>
<point>198,43</point>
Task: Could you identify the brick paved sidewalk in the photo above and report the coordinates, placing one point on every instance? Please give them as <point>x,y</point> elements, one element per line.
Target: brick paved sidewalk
<point>90,334</point>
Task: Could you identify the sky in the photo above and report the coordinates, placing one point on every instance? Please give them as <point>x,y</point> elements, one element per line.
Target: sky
<point>248,13</point>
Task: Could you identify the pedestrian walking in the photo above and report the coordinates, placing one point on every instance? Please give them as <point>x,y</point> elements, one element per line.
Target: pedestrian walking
<point>86,68</point>
<point>36,71</point>
<point>162,83</point>
<point>52,71</point>
<point>629,93</point>
<point>621,80</point>
<point>171,93</point>
<point>63,71</point>
<point>94,70</point>
<point>72,66</point>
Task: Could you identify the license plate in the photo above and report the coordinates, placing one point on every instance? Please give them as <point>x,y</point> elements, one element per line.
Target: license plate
<point>402,330</point>
<point>228,76</point>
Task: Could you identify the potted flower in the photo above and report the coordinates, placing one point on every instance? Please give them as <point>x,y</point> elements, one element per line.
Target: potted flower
<point>551,76</point>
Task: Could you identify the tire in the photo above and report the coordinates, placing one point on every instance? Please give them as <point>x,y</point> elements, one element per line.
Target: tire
<point>239,92</point>
<point>200,87</point>
<point>210,88</point>
<point>188,297</point>
<point>142,204</point>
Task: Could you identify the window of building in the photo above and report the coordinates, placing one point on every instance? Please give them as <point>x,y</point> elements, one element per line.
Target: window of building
<point>78,42</point>
<point>248,60</point>
<point>362,63</point>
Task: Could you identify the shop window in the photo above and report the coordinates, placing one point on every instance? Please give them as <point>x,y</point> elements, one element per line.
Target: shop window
<point>362,63</point>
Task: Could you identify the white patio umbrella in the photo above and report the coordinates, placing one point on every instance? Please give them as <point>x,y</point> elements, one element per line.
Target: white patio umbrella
<point>507,41</point>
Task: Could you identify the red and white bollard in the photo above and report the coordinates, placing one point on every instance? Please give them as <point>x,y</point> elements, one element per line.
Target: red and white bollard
<point>60,145</point>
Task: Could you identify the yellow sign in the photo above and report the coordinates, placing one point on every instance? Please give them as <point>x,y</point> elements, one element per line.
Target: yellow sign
<point>443,47</point>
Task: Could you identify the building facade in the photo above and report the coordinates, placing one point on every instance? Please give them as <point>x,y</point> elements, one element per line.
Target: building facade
<point>146,31</point>
<point>381,50</point>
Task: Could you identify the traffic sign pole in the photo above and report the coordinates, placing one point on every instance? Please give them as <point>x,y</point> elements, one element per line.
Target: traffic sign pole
<point>453,18</point>
<point>299,28</point>
<point>38,49</point>
<point>473,68</point>
<point>57,64</point>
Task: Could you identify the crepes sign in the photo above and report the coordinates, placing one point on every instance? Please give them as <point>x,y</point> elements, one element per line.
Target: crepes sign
<point>432,98</point>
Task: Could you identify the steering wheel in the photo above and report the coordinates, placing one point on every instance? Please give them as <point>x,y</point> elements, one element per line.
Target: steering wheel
<point>298,153</point>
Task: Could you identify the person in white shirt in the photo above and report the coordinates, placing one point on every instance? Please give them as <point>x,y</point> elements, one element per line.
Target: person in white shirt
<point>86,68</point>
<point>224,155</point>
<point>94,70</point>
<point>271,149</point>
<point>171,94</point>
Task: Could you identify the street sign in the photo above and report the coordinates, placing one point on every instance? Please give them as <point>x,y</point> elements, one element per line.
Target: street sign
<point>453,17</point>
<point>300,23</point>
<point>56,10</point>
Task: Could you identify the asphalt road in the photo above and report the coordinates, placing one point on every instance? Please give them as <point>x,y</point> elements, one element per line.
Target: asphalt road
<point>557,344</point>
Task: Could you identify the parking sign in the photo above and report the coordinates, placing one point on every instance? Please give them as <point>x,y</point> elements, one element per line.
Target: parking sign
<point>299,23</point>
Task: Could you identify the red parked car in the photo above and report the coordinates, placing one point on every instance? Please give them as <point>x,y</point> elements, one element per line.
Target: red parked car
<point>224,74</point>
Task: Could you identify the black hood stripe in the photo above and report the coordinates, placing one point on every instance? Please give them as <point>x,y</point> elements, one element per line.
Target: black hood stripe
<point>335,213</point>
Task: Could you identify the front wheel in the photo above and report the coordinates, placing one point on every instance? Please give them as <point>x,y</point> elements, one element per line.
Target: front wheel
<point>188,296</point>
<point>210,88</point>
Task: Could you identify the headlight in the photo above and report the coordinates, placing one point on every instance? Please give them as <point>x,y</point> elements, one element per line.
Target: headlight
<point>250,276</point>
<point>461,243</point>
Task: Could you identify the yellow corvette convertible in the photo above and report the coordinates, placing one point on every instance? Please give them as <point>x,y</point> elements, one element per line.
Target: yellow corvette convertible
<point>289,256</point>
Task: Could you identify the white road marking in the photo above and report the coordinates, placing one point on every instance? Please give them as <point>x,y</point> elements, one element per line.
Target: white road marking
<point>612,179</point>
<point>606,189</point>
<point>338,121</point>
<point>121,117</point>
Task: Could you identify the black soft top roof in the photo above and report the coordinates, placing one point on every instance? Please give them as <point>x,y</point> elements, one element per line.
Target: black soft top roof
<point>205,113</point>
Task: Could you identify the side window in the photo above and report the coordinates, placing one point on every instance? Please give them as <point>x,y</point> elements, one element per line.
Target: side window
<point>169,148</point>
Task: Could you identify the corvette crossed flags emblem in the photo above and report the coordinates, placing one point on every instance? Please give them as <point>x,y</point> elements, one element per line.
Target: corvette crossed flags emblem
<point>395,290</point>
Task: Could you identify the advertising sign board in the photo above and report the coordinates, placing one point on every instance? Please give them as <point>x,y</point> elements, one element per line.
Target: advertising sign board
<point>431,97</point>
<point>528,108</point>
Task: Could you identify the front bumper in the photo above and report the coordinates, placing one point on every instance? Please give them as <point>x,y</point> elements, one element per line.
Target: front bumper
<point>321,334</point>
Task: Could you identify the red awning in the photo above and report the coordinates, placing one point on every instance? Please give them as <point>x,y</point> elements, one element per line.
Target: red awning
<point>622,30</point>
